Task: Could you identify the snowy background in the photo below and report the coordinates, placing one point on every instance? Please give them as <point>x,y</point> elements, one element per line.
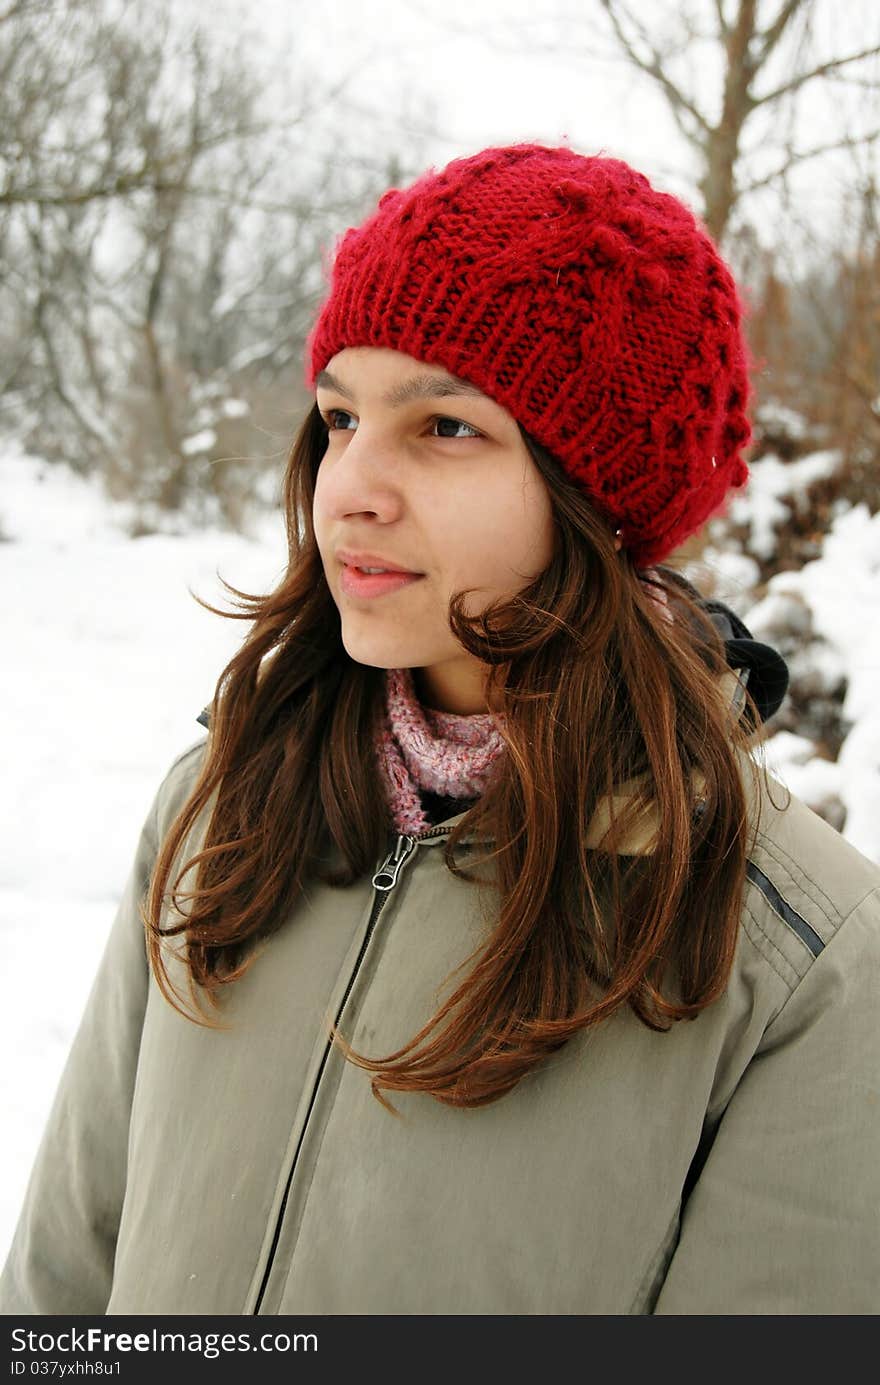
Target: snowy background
<point>111,660</point>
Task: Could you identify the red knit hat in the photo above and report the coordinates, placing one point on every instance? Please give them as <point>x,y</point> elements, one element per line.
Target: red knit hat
<point>595,309</point>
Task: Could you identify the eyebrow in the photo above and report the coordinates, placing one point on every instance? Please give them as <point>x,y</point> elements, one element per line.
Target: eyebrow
<point>416,387</point>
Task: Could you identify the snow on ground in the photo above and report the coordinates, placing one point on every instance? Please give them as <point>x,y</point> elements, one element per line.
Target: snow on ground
<point>109,663</point>
<point>842,588</point>
<point>775,488</point>
<point>839,594</point>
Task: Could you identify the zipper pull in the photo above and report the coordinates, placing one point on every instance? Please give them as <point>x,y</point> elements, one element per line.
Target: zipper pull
<point>387,875</point>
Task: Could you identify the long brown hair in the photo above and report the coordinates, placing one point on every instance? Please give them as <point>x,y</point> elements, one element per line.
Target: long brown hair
<point>597,692</point>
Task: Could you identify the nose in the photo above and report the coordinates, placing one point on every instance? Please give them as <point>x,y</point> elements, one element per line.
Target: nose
<point>363,477</point>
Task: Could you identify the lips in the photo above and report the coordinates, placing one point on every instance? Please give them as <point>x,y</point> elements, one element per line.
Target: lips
<point>350,558</point>
<point>355,583</point>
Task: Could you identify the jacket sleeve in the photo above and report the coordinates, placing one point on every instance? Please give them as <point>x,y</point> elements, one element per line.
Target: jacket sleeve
<point>61,1258</point>
<point>784,1217</point>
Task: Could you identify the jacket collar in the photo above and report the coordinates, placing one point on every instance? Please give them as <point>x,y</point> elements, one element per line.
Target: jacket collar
<point>640,840</point>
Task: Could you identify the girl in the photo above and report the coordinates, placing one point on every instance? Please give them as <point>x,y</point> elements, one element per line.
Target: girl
<point>484,971</point>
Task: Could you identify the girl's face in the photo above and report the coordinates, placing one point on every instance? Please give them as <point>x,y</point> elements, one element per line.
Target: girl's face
<point>426,472</point>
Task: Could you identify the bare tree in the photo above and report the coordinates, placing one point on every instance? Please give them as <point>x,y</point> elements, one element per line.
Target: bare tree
<point>732,73</point>
<point>749,36</point>
<point>161,229</point>
<point>65,66</point>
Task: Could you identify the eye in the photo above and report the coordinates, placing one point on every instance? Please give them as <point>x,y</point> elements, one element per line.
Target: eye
<point>340,420</point>
<point>331,416</point>
<point>456,423</point>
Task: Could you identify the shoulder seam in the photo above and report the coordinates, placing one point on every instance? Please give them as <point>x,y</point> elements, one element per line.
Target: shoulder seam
<point>151,826</point>
<point>798,877</point>
<point>874,890</point>
<point>776,962</point>
<point>785,911</point>
<point>184,754</point>
<point>792,866</point>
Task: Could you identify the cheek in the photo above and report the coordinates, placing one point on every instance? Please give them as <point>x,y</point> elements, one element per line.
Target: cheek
<point>320,499</point>
<point>538,523</point>
<point>318,488</point>
<point>518,529</point>
<point>545,529</point>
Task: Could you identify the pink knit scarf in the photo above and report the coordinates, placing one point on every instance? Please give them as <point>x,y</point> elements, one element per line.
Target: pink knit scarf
<point>418,747</point>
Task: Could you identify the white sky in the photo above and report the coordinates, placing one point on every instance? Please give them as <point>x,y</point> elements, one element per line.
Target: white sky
<point>483,72</point>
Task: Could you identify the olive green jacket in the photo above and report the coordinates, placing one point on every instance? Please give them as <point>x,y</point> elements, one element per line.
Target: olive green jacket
<point>731,1165</point>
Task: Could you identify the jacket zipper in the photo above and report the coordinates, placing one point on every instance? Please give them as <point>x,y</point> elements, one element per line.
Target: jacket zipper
<point>383,883</point>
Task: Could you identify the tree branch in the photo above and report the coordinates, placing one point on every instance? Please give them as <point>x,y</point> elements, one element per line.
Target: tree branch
<point>679,103</point>
<point>847,142</point>
<point>821,71</point>
<point>723,26</point>
<point>772,35</point>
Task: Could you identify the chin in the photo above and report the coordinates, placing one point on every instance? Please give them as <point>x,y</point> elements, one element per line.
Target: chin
<point>370,654</point>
